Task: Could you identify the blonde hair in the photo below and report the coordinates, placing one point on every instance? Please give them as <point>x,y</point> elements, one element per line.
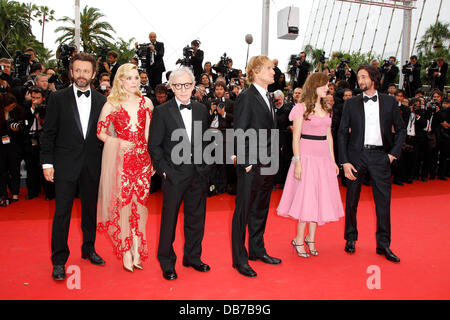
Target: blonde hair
<point>254,66</point>
<point>118,93</point>
<point>309,94</point>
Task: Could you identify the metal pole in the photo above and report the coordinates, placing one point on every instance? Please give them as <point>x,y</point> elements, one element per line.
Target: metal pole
<point>335,28</point>
<point>387,33</point>
<point>77,25</point>
<point>418,25</point>
<point>314,23</point>
<point>320,27</point>
<point>345,27</point>
<point>365,27</point>
<point>265,28</point>
<point>356,23</point>
<point>406,39</point>
<point>328,26</point>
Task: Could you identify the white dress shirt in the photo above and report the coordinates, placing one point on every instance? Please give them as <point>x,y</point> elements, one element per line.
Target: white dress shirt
<point>84,109</point>
<point>186,114</point>
<point>263,93</point>
<point>372,132</point>
<point>410,129</point>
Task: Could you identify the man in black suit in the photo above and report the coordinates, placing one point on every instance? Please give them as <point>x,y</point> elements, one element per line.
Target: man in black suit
<point>254,115</point>
<point>412,76</point>
<point>179,125</point>
<point>275,85</point>
<point>390,72</point>
<point>439,76</point>
<point>155,62</point>
<point>301,71</point>
<point>367,144</point>
<point>71,158</point>
<point>112,65</point>
<point>197,59</point>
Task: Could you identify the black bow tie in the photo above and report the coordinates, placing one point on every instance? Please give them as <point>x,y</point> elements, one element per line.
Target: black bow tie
<point>86,93</point>
<point>187,106</point>
<point>374,98</point>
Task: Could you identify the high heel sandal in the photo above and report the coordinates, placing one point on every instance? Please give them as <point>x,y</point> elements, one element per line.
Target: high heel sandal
<point>136,257</point>
<point>300,254</point>
<point>127,265</point>
<point>312,252</point>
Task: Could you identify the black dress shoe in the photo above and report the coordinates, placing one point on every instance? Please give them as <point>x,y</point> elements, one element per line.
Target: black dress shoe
<point>30,196</point>
<point>350,246</point>
<point>59,272</point>
<point>388,254</point>
<point>443,178</point>
<point>245,270</point>
<point>49,198</point>
<point>170,275</point>
<point>266,259</point>
<point>397,182</point>
<point>201,267</point>
<point>93,257</point>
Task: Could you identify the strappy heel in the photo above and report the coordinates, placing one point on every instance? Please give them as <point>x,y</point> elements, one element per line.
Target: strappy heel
<point>300,254</point>
<point>312,252</point>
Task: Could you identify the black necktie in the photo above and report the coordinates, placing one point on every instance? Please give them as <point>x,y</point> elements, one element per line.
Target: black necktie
<point>374,98</point>
<point>270,102</point>
<point>187,106</point>
<point>86,93</point>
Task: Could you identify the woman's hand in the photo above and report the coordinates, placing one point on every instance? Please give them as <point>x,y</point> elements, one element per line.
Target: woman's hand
<point>337,169</point>
<point>298,171</point>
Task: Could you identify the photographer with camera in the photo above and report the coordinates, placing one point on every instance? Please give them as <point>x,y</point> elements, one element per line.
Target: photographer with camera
<point>112,65</point>
<point>411,71</point>
<point>443,118</point>
<point>225,69</point>
<point>6,80</point>
<point>152,58</point>
<point>299,69</point>
<point>11,132</point>
<point>197,59</point>
<point>221,118</point>
<point>144,84</point>
<point>437,73</point>
<point>432,131</point>
<point>389,72</point>
<point>33,119</point>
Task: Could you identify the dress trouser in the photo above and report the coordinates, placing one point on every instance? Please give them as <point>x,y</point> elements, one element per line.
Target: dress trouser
<point>252,207</point>
<point>192,192</point>
<point>377,163</point>
<point>65,193</point>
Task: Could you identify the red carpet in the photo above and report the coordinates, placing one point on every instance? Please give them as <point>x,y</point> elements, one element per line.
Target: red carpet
<point>420,237</point>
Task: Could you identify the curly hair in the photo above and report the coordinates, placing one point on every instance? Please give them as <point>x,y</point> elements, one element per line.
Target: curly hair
<point>118,93</point>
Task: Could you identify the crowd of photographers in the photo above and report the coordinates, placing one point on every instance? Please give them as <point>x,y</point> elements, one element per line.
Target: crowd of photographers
<point>26,84</point>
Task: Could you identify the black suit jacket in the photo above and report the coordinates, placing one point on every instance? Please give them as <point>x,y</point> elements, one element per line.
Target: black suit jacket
<point>114,71</point>
<point>351,129</point>
<point>442,79</point>
<point>62,141</point>
<point>166,118</point>
<point>158,65</point>
<point>252,112</point>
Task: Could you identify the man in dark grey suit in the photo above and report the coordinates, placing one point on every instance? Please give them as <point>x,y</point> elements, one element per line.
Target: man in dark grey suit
<point>367,143</point>
<point>253,112</point>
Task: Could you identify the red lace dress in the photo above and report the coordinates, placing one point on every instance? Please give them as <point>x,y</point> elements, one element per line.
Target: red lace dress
<point>125,179</point>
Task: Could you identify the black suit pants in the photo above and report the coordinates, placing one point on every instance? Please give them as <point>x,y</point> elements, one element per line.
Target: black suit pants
<point>252,207</point>
<point>192,191</point>
<point>65,193</point>
<point>376,163</point>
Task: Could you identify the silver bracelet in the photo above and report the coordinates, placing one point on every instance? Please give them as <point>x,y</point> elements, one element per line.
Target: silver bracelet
<point>295,158</point>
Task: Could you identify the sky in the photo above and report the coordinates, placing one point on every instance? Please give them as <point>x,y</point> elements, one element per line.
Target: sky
<point>221,26</point>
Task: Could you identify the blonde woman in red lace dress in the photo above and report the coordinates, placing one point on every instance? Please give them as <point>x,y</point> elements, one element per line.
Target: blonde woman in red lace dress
<point>123,126</point>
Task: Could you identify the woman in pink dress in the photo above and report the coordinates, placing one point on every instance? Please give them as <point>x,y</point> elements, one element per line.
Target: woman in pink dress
<point>311,192</point>
<point>124,188</point>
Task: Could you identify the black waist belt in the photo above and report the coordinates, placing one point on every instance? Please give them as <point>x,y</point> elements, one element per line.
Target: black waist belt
<point>310,137</point>
<point>372,147</point>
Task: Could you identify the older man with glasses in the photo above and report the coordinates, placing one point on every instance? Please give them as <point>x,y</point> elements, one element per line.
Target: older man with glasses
<point>185,178</point>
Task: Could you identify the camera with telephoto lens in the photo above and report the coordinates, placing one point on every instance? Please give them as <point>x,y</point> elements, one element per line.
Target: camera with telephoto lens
<point>141,51</point>
<point>21,63</point>
<point>65,54</point>
<point>219,102</point>
<point>407,68</point>
<point>322,57</point>
<point>433,68</point>
<point>342,68</point>
<point>41,110</point>
<point>187,56</point>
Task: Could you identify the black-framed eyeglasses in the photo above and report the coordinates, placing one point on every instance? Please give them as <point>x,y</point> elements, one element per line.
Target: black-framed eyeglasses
<point>186,85</point>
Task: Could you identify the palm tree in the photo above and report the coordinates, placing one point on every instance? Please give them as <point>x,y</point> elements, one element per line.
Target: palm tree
<point>93,32</point>
<point>15,24</point>
<point>45,14</point>
<point>435,37</point>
